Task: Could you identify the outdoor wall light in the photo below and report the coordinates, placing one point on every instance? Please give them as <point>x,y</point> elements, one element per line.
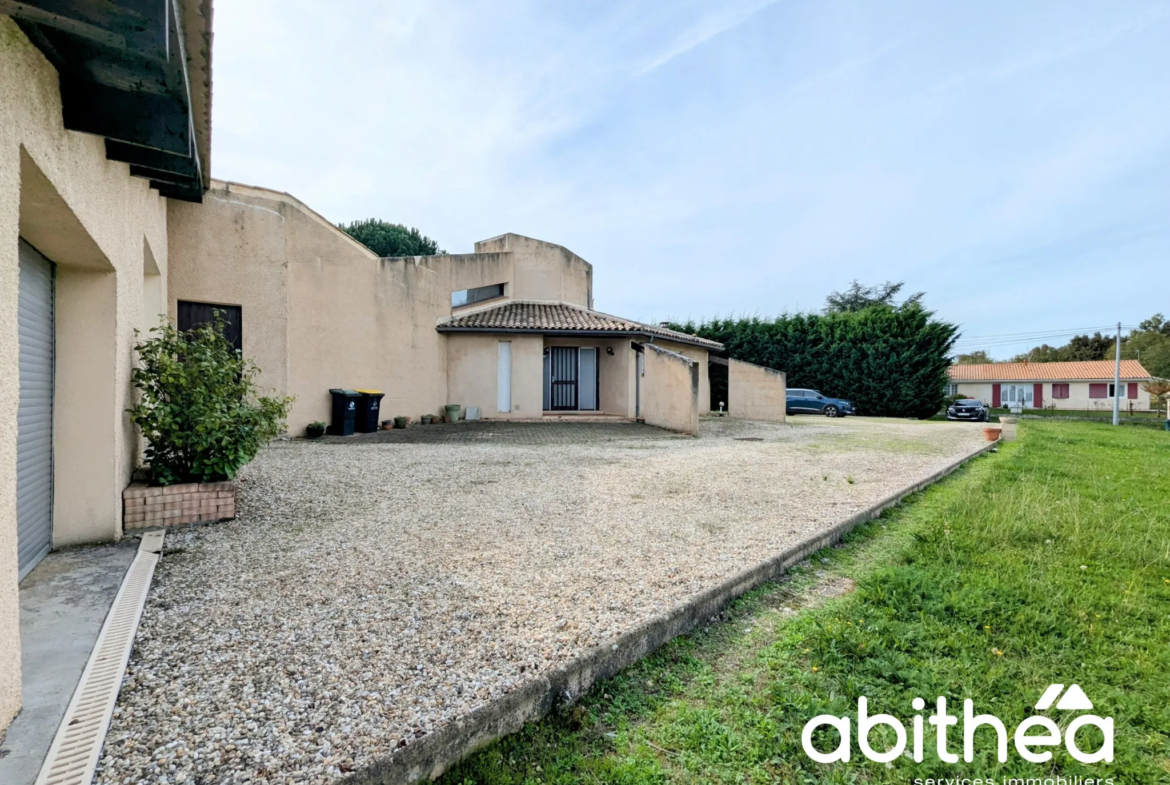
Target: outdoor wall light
<point>609,350</point>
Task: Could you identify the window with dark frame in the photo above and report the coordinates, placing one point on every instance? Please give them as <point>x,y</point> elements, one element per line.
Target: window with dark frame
<point>476,295</point>
<point>1059,390</point>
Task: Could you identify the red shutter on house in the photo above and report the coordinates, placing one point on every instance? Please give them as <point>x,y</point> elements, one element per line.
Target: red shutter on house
<point>1062,392</point>
<point>1132,390</point>
<point>1038,396</point>
<point>995,396</point>
<point>1098,391</point>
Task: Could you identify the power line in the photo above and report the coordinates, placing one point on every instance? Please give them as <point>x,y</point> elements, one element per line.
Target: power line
<point>1046,332</point>
<point>1010,339</point>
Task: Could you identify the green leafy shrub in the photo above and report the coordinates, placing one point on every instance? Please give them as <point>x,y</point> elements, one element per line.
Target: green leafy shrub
<point>198,407</point>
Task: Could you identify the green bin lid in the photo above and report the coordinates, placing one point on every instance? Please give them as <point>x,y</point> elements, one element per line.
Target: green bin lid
<point>347,393</point>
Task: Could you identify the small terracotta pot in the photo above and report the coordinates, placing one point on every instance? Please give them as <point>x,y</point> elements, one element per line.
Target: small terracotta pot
<point>991,434</point>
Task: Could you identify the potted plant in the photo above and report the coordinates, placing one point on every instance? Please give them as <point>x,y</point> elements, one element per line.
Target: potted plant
<point>991,433</point>
<point>387,425</point>
<point>400,422</point>
<point>315,430</point>
<point>427,419</point>
<point>203,419</point>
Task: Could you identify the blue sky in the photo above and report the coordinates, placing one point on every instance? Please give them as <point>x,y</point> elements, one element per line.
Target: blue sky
<point>1012,160</point>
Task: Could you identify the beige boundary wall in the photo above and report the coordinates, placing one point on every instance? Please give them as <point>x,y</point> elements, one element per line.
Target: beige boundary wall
<point>756,392</point>
<point>106,232</point>
<point>699,355</point>
<point>1078,395</point>
<point>670,390</point>
<point>359,321</point>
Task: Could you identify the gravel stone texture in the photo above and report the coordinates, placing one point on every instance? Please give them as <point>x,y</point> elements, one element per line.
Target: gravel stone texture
<point>370,592</point>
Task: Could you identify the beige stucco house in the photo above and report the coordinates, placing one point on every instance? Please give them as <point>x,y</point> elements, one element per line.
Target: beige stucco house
<point>110,221</point>
<point>507,329</point>
<point>1083,386</point>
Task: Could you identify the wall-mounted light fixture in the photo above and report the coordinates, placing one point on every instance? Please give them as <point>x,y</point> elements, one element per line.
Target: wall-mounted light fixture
<point>609,350</point>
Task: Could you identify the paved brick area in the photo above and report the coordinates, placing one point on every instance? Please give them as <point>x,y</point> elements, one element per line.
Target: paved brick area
<point>500,432</point>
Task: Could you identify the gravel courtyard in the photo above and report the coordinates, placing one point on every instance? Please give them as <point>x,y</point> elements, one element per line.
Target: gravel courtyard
<point>367,593</point>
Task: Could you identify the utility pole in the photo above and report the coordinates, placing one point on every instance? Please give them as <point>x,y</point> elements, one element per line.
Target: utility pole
<point>1117,380</point>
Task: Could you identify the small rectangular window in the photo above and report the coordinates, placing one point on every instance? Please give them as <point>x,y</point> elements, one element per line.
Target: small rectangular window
<point>476,295</point>
<point>1098,390</point>
<point>952,389</point>
<point>1060,390</point>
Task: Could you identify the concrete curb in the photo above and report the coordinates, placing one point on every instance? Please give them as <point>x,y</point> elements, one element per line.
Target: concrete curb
<point>433,754</point>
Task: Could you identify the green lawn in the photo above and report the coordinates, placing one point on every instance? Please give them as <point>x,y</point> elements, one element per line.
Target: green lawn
<point>1048,562</point>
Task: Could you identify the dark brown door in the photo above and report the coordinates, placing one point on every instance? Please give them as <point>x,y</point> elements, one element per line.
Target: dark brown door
<point>192,315</point>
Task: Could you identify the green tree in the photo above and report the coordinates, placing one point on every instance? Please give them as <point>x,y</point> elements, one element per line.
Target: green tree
<point>1150,343</point>
<point>387,239</point>
<point>1155,324</point>
<point>1078,349</point>
<point>890,361</point>
<point>978,357</point>
<point>858,297</point>
<point>198,407</point>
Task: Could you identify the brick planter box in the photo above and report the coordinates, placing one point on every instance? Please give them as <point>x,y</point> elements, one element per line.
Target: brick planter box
<point>146,506</point>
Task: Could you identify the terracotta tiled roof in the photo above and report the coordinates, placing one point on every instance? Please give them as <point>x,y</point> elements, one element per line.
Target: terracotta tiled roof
<point>1042,372</point>
<point>561,318</point>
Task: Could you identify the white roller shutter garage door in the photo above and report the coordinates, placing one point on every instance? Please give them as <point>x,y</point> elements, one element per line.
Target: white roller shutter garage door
<point>34,418</point>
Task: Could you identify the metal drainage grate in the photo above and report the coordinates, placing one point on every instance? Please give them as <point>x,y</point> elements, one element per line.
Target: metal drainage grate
<point>75,751</point>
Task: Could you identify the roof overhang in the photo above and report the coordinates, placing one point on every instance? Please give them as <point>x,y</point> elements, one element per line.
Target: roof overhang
<point>633,335</point>
<point>137,72</point>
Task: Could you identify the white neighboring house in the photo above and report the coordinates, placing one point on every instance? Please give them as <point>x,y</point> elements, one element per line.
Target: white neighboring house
<point>1080,386</point>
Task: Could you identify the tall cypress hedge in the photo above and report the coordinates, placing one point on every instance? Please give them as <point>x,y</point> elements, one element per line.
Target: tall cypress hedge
<point>890,361</point>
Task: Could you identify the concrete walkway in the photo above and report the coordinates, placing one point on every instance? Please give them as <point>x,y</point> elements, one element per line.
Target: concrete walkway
<point>63,603</point>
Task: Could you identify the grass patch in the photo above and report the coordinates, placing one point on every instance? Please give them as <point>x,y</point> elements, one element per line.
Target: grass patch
<point>972,589</point>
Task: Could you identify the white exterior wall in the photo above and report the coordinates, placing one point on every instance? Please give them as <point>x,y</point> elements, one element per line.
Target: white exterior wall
<point>1078,395</point>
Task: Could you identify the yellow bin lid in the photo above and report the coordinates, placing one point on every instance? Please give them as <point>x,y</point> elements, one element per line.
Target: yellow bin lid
<point>370,392</point>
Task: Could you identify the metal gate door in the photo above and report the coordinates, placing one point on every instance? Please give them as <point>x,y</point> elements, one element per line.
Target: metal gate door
<point>34,416</point>
<point>563,378</point>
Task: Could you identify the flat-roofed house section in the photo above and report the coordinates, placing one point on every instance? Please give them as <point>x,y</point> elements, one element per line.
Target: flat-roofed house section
<point>1084,385</point>
<point>543,271</point>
